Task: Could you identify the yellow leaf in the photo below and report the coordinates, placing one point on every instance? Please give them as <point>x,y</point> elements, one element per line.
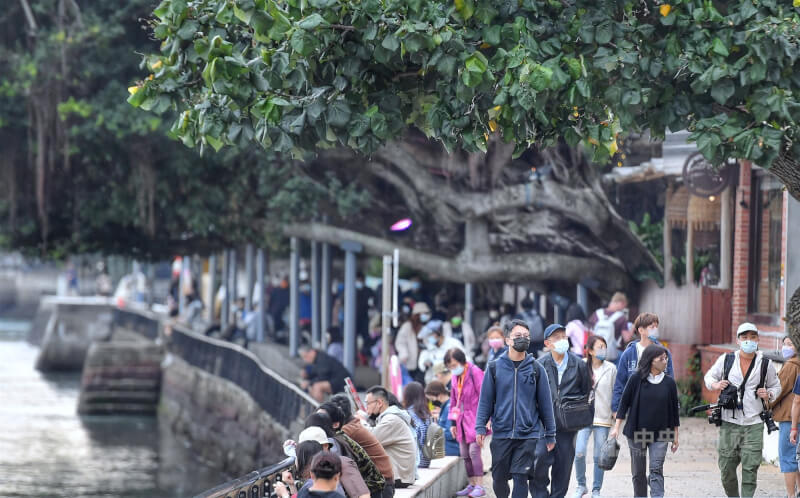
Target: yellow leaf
<point>156,65</point>
<point>485,45</point>
<point>497,108</point>
<point>150,78</point>
<point>796,3</point>
<point>486,136</point>
<point>665,9</point>
<point>133,89</point>
<point>612,147</point>
<point>493,125</point>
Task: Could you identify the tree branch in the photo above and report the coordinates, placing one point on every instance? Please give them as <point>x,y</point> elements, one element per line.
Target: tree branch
<point>519,267</point>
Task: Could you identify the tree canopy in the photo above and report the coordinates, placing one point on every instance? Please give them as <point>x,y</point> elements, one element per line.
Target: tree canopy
<point>81,170</point>
<point>299,76</point>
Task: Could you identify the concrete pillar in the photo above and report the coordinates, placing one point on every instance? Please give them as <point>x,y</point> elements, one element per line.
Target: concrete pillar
<point>248,270</point>
<point>294,297</point>
<point>315,284</point>
<point>386,320</point>
<point>212,287</point>
<point>225,281</point>
<point>261,309</point>
<point>667,251</point>
<point>234,276</point>
<point>350,248</point>
<point>792,275</point>
<point>469,306</point>
<point>725,238</point>
<point>325,293</point>
<point>583,298</point>
<point>689,254</point>
<point>543,307</point>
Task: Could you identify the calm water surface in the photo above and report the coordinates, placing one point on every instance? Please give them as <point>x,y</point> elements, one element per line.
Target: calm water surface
<point>46,449</point>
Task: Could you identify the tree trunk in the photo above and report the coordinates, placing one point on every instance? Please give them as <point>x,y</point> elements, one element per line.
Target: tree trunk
<point>793,318</point>
<point>787,169</point>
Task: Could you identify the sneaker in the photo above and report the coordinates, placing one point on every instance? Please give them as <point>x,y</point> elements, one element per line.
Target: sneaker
<point>477,491</point>
<point>466,491</point>
<point>596,494</point>
<point>580,491</point>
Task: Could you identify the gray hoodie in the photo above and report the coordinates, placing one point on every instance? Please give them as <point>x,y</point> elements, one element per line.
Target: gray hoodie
<point>395,433</point>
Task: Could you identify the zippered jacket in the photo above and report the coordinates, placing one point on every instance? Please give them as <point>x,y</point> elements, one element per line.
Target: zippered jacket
<point>628,363</point>
<point>516,401</point>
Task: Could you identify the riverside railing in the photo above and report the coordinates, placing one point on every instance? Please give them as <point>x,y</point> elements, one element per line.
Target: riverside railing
<point>283,401</point>
<point>257,484</point>
<point>137,321</point>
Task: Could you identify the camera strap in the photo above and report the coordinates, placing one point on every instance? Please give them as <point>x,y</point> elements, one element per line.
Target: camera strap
<point>744,381</point>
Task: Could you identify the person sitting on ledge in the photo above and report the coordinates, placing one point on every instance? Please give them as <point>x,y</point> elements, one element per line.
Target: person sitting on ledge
<point>323,375</point>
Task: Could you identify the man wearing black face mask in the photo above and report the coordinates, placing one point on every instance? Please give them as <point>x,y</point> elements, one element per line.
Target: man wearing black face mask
<point>515,396</point>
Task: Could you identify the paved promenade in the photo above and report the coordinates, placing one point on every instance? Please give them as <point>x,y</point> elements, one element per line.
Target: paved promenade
<point>691,471</point>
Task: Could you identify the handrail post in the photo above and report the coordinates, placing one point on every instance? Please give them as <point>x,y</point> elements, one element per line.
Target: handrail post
<point>294,297</point>
<point>386,320</point>
<point>350,248</point>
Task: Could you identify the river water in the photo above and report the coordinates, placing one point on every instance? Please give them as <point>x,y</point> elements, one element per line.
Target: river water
<point>47,450</point>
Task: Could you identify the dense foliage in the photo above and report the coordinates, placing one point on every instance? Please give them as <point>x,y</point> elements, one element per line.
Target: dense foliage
<point>301,75</point>
<point>81,170</point>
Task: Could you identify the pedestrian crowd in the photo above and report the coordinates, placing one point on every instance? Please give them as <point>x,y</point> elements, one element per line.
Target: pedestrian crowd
<point>536,396</point>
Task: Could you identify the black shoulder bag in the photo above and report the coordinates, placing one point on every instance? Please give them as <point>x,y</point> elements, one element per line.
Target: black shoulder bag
<point>573,414</point>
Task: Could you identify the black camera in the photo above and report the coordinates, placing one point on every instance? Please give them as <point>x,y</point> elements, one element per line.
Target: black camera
<point>766,417</point>
<point>715,417</point>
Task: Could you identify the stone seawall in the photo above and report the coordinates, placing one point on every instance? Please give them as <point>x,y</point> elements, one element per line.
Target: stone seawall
<point>219,420</point>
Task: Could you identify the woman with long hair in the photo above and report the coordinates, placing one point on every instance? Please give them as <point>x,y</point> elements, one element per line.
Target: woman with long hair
<point>416,404</point>
<point>650,403</point>
<point>603,374</point>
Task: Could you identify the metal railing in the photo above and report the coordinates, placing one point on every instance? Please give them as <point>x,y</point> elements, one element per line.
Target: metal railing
<point>257,484</point>
<point>137,321</point>
<point>282,400</point>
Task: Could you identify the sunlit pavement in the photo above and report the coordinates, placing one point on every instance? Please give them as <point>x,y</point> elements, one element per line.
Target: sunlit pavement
<point>691,471</point>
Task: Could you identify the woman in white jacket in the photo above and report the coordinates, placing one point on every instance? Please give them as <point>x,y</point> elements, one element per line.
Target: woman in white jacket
<point>603,375</point>
<point>407,343</point>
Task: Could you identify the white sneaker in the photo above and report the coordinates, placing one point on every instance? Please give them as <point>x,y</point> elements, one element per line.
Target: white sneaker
<point>596,494</point>
<point>580,491</point>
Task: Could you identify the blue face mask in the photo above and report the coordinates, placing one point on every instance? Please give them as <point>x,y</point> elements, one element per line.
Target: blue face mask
<point>787,352</point>
<point>749,346</point>
<point>601,355</point>
<point>433,341</point>
<point>561,346</point>
<point>653,334</point>
<point>457,371</point>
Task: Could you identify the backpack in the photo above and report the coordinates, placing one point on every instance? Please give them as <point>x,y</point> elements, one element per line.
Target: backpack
<point>434,442</point>
<point>606,329</point>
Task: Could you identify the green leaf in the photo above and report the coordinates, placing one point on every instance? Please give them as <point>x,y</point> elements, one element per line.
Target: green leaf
<point>188,29</point>
<point>465,8</point>
<point>540,77</point>
<point>584,88</point>
<point>476,63</point>
<point>722,90</point>
<point>604,32</point>
<point>631,97</point>
<point>719,48</point>
<point>491,35</point>
<point>312,21</point>
<point>390,43</point>
<point>280,23</point>
<point>338,113</point>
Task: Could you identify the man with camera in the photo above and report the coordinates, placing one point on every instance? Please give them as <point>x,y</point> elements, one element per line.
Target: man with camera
<point>747,382</point>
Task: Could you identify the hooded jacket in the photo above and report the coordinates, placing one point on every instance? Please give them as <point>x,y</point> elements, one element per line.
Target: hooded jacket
<point>393,430</point>
<point>516,401</point>
<point>628,362</point>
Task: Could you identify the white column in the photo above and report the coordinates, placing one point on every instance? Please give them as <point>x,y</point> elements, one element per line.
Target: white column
<point>725,238</point>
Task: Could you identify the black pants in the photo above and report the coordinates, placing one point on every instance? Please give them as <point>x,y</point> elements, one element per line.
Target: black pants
<point>512,458</point>
<point>555,466</point>
<point>386,492</point>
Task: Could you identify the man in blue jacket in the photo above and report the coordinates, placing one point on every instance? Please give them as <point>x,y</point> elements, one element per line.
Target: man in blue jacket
<point>646,325</point>
<point>515,396</point>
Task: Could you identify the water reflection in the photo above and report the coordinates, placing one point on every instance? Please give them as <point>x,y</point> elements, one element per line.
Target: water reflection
<point>46,449</point>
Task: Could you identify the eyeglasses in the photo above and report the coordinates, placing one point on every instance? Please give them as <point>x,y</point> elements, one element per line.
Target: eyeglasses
<point>521,336</point>
<point>373,401</point>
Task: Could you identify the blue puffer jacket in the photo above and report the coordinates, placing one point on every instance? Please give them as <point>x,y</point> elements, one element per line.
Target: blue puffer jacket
<point>515,402</point>
<point>627,365</point>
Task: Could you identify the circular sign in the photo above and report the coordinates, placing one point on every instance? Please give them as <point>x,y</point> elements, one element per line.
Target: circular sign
<point>702,178</point>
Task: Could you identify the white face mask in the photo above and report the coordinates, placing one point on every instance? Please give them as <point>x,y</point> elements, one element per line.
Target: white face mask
<point>653,334</point>
<point>561,346</point>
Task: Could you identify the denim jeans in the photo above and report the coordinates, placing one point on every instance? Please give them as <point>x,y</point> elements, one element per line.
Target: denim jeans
<point>600,436</point>
<point>639,467</point>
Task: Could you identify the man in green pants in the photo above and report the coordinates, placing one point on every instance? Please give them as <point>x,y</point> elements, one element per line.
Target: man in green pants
<point>741,436</point>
